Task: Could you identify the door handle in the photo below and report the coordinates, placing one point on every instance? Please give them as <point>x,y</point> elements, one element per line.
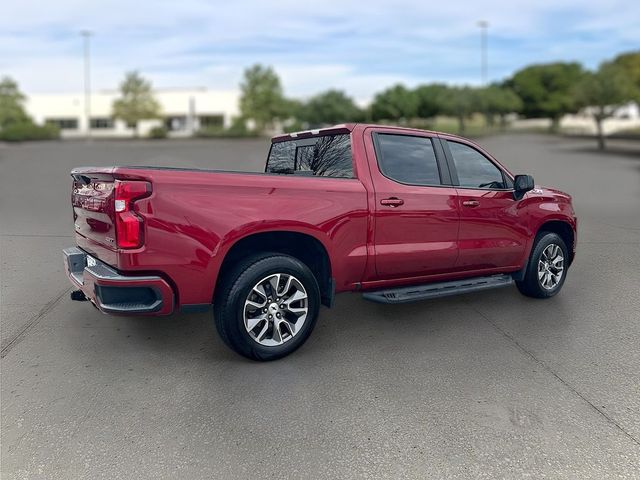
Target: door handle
<point>392,202</point>
<point>471,203</point>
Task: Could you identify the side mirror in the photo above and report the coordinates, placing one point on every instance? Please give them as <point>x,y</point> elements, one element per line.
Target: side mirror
<point>521,185</point>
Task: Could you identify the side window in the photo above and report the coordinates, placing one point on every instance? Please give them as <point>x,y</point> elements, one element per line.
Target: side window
<point>407,159</point>
<point>326,156</point>
<point>474,169</point>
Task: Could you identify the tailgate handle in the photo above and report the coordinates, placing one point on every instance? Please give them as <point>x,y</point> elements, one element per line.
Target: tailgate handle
<point>392,202</point>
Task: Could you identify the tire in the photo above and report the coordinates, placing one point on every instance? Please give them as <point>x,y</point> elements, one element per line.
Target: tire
<point>541,277</point>
<point>274,326</point>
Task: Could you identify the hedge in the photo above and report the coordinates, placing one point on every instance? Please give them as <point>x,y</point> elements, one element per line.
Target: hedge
<point>21,132</point>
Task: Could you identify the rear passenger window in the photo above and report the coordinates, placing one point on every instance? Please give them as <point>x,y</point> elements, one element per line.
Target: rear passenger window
<point>408,159</point>
<point>326,156</point>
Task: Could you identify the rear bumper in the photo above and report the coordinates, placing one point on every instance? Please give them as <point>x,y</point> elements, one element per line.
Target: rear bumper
<point>114,293</point>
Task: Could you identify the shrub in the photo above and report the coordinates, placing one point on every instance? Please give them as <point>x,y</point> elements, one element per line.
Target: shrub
<point>209,132</point>
<point>295,126</point>
<point>217,132</point>
<point>25,131</point>
<point>157,133</point>
<point>239,128</point>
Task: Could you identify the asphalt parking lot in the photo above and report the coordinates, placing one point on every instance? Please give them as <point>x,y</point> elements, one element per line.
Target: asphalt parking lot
<point>486,385</point>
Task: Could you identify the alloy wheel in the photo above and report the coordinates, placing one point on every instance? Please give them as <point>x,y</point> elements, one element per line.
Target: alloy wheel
<point>275,309</point>
<point>551,266</point>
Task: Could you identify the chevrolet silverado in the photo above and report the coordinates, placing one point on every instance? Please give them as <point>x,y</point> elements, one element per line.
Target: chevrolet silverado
<point>395,213</point>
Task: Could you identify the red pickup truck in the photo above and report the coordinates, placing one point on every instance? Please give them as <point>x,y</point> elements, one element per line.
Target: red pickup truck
<point>395,213</point>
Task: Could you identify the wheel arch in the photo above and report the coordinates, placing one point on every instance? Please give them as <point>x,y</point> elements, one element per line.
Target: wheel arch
<point>303,246</point>
<point>565,230</point>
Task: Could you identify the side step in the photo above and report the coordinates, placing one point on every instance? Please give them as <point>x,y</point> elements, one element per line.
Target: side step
<point>435,290</point>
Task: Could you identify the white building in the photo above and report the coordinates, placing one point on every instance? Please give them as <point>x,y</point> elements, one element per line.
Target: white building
<point>183,112</point>
<point>626,117</point>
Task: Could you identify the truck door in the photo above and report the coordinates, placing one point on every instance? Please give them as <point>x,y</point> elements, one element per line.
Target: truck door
<point>416,207</point>
<point>493,225</point>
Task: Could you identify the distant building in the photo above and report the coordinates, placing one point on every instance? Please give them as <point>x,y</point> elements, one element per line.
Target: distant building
<point>626,117</point>
<point>183,112</point>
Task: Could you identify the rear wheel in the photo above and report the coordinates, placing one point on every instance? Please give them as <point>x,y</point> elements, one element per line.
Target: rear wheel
<point>547,268</point>
<point>267,306</point>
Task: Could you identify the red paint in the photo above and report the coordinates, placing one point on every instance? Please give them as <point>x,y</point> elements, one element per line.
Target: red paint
<point>191,219</point>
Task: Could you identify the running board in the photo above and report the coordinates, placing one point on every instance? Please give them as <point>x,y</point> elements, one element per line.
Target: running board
<point>435,290</point>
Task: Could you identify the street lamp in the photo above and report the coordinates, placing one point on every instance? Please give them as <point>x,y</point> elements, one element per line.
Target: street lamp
<point>484,26</point>
<point>86,35</point>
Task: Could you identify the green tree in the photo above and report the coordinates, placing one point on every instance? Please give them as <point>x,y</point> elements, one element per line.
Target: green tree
<point>461,103</point>
<point>430,100</point>
<point>331,107</point>
<point>295,109</point>
<point>496,100</point>
<point>11,104</point>
<point>261,97</point>
<point>396,103</point>
<point>547,90</point>
<point>629,63</point>
<point>602,92</point>
<point>137,101</point>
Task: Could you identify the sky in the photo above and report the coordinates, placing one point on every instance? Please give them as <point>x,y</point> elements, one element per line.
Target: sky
<point>359,47</point>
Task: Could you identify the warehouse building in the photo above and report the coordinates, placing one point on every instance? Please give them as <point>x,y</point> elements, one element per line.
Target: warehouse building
<point>183,111</point>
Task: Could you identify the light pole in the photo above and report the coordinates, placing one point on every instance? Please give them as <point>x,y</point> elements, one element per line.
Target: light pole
<point>86,35</point>
<point>484,26</point>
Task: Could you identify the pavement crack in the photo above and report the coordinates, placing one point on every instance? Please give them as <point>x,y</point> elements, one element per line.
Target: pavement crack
<point>546,367</point>
<point>32,323</point>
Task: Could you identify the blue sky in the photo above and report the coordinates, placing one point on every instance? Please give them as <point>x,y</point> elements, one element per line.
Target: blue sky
<point>359,47</point>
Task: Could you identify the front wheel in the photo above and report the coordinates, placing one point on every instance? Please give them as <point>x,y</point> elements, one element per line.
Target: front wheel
<point>267,306</point>
<point>547,267</point>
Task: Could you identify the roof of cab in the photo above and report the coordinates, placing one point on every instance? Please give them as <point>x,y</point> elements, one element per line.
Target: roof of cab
<point>348,128</point>
<point>342,128</point>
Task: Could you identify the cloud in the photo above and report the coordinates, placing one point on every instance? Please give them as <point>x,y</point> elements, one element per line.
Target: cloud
<point>313,47</point>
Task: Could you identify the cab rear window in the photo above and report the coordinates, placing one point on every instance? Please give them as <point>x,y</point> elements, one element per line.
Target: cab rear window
<point>325,156</point>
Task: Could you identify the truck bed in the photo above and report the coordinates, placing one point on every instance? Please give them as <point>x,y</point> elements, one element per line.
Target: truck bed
<point>190,225</point>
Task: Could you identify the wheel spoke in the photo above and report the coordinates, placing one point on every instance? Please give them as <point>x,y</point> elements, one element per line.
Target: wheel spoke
<point>287,286</point>
<point>259,290</point>
<point>296,297</point>
<point>276,335</point>
<point>256,306</point>
<point>251,323</point>
<point>541,270</point>
<point>290,326</point>
<point>259,336</point>
<point>274,281</point>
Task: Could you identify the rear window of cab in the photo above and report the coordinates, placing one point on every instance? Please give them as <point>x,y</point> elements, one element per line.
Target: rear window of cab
<point>325,156</point>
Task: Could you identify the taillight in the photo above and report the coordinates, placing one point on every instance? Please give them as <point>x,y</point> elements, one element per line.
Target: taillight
<point>129,225</point>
